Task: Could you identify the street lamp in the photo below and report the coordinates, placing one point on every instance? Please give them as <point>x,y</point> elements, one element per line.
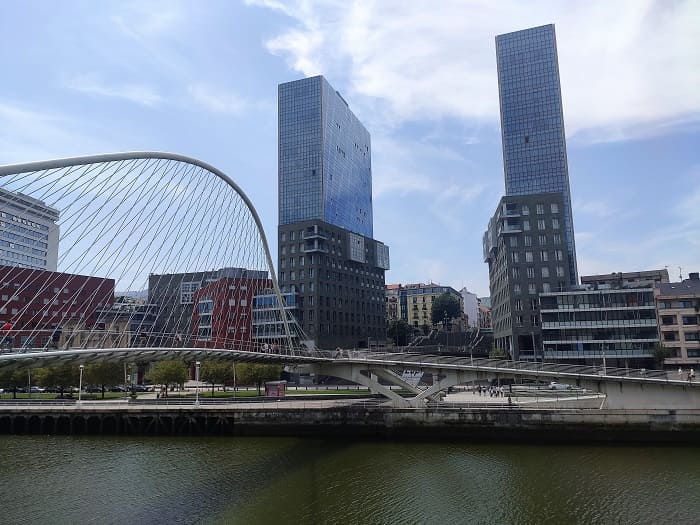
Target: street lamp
<point>196,378</point>
<point>80,384</point>
<point>447,336</point>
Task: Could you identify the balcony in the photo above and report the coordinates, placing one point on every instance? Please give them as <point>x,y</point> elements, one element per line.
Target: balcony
<point>315,246</point>
<point>314,235</point>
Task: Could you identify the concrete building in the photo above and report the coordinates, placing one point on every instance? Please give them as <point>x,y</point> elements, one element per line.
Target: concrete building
<point>268,327</point>
<point>28,232</point>
<point>525,249</point>
<point>678,307</point>
<point>532,122</point>
<point>588,324</point>
<point>327,255</point>
<point>177,298</point>
<point>471,307</point>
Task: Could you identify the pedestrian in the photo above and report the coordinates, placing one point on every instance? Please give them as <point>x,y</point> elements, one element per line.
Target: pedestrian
<point>691,375</point>
<point>680,372</point>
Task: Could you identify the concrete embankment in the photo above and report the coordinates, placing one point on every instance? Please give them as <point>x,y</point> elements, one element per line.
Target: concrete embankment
<point>500,424</point>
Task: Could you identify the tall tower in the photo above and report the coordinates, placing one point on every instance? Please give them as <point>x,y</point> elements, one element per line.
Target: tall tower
<point>532,121</point>
<point>327,255</point>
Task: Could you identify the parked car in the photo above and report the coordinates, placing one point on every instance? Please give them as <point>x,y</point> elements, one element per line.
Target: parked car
<point>559,386</point>
<point>37,390</point>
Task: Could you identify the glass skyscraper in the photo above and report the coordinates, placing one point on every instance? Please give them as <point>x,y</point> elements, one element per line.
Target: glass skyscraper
<point>532,121</point>
<point>325,169</point>
<point>328,259</point>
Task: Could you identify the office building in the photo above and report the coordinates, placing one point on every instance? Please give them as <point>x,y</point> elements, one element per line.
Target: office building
<point>204,308</point>
<point>28,232</point>
<point>678,307</point>
<point>42,309</point>
<point>619,279</point>
<point>532,122</point>
<point>327,255</point>
<point>268,326</point>
<point>596,324</point>
<point>525,249</point>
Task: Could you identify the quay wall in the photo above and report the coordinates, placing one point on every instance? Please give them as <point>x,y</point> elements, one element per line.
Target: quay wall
<point>462,424</point>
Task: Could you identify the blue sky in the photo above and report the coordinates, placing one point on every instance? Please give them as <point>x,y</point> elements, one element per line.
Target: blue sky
<point>200,78</point>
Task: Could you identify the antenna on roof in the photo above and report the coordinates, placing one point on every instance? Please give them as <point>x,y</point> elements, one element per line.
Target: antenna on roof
<point>680,273</point>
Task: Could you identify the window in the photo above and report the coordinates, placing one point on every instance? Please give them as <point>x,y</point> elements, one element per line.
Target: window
<point>530,272</point>
<point>692,336</point>
<point>670,336</point>
<point>668,319</point>
<point>545,272</point>
<point>527,240</point>
<point>525,210</point>
<point>513,242</point>
<point>540,209</point>
<point>528,256</point>
<point>518,320</point>
<point>690,319</point>
<point>540,224</point>
<point>556,239</point>
<point>560,271</point>
<point>555,223</point>
<point>187,290</point>
<point>542,240</point>
<point>283,250</point>
<point>292,236</point>
<point>283,237</point>
<point>526,225</point>
<point>558,255</point>
<point>531,289</point>
<point>515,272</point>
<point>544,256</point>
<point>518,304</point>
<point>514,257</point>
<point>554,207</point>
<point>535,320</point>
<point>292,248</point>
<point>516,288</point>
<point>534,303</point>
<point>545,286</point>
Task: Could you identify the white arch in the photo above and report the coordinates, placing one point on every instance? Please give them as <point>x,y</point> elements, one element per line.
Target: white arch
<point>12,169</point>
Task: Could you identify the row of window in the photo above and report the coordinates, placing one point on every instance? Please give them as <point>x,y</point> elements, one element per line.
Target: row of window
<point>685,320</point>
<point>20,220</point>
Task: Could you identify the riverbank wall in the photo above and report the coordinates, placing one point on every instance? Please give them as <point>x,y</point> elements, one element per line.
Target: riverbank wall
<point>347,422</point>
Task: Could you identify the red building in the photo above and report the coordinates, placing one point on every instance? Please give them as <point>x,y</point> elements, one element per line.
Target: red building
<point>222,316</point>
<point>36,306</point>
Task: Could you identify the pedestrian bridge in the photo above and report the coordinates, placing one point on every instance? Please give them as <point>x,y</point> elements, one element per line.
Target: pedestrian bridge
<point>624,388</point>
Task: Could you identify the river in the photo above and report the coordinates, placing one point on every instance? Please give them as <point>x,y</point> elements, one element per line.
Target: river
<point>61,479</point>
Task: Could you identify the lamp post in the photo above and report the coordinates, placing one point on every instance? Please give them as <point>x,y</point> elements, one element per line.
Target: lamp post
<point>196,379</point>
<point>80,383</point>
<point>447,337</point>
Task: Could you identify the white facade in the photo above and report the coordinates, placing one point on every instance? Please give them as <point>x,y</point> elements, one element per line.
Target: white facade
<point>471,307</point>
<point>28,232</point>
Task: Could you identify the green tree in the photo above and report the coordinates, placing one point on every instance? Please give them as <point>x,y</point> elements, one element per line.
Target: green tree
<point>445,308</point>
<point>497,353</point>
<point>661,353</point>
<point>60,377</point>
<point>398,331</point>
<point>169,373</point>
<point>255,374</point>
<point>13,379</point>
<point>104,374</point>
<point>216,372</point>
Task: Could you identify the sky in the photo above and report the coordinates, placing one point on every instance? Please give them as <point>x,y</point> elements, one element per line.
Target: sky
<point>200,78</point>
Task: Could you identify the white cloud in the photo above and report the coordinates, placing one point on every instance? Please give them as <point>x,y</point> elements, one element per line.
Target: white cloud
<point>137,93</point>
<point>629,69</point>
<point>217,100</point>
<point>29,134</point>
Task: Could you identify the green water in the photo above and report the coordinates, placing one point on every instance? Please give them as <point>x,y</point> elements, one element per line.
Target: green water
<point>58,479</point>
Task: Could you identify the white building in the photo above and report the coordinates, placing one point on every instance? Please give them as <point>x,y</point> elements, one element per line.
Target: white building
<point>471,307</point>
<point>28,232</point>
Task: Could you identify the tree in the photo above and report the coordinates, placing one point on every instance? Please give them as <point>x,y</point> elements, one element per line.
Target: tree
<point>497,353</point>
<point>104,374</point>
<point>216,372</point>
<point>255,374</point>
<point>60,377</point>
<point>398,331</point>
<point>169,373</point>
<point>14,379</point>
<point>445,308</point>
<point>661,353</point>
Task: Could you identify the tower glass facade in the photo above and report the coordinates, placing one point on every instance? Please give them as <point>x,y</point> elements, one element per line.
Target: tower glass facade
<point>532,121</point>
<point>328,260</point>
<point>325,155</point>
